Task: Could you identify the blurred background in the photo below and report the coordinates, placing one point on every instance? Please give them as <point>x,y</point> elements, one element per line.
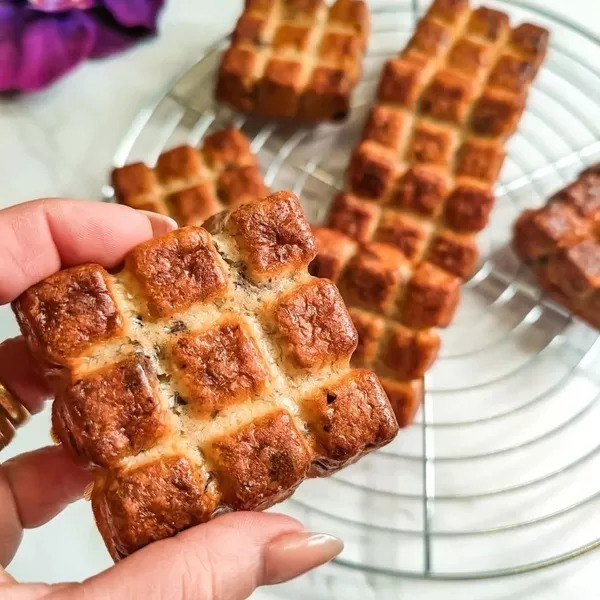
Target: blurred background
<point>61,142</point>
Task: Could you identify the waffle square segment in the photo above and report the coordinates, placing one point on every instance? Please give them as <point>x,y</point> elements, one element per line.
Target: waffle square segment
<point>561,243</point>
<point>210,373</point>
<point>295,58</point>
<point>191,185</point>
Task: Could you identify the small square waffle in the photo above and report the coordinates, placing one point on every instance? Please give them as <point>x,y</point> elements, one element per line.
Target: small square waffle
<point>561,242</point>
<point>292,58</point>
<point>191,185</point>
<point>211,373</point>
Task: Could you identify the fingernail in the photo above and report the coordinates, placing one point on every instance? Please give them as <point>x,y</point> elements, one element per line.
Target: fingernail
<point>160,223</point>
<point>295,553</point>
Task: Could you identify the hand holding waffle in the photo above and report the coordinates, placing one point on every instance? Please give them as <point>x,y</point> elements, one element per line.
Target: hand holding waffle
<point>228,557</point>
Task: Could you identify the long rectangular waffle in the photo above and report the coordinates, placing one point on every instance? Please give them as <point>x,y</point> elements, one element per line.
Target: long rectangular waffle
<point>295,58</point>
<point>561,242</point>
<point>419,184</point>
<point>210,373</point>
<point>191,185</point>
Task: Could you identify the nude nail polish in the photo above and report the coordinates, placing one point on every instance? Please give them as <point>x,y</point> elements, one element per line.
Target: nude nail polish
<point>292,554</point>
<point>160,223</point>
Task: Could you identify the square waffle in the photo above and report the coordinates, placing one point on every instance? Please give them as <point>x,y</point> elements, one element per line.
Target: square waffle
<point>561,242</point>
<point>295,58</point>
<point>211,373</point>
<point>191,185</point>
<point>400,237</point>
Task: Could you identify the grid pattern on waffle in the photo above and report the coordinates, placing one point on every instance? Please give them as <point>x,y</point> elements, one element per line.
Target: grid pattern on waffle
<point>191,185</point>
<point>561,242</point>
<point>419,184</point>
<point>432,147</point>
<point>295,58</point>
<point>210,373</point>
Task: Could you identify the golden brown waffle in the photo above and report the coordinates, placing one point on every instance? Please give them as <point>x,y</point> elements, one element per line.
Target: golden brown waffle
<point>211,373</point>
<point>12,415</point>
<point>419,184</point>
<point>191,185</point>
<point>561,243</point>
<point>295,58</point>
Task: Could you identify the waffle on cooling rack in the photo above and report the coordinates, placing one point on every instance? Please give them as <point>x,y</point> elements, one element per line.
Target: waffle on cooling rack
<point>419,184</point>
<point>561,243</point>
<point>191,185</point>
<point>295,58</point>
<point>210,373</point>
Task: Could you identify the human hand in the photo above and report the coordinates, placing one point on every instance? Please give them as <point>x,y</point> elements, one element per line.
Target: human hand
<point>224,559</point>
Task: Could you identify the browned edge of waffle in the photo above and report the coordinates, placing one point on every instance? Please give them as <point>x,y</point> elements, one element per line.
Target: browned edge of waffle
<point>560,242</point>
<point>295,58</point>
<point>190,185</point>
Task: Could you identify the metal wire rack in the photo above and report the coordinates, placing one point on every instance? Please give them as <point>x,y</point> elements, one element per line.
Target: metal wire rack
<point>498,475</point>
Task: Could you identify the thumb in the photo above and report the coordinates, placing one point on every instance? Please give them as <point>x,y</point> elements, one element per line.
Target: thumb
<point>225,559</point>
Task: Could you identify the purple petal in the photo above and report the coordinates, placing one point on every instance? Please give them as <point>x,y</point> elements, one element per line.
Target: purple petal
<point>11,24</point>
<point>40,40</point>
<point>111,38</point>
<point>51,46</point>
<point>61,5</point>
<point>135,13</point>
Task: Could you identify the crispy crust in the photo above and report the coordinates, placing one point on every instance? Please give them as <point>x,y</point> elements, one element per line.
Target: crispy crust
<point>314,325</point>
<point>194,378</point>
<point>152,501</point>
<point>175,272</point>
<point>190,185</point>
<point>262,463</point>
<point>272,236</point>
<point>374,276</point>
<point>287,60</point>
<point>354,217</point>
<point>68,314</point>
<point>560,242</point>
<point>112,412</point>
<point>405,397</point>
<point>219,367</point>
<point>419,188</point>
<point>342,416</point>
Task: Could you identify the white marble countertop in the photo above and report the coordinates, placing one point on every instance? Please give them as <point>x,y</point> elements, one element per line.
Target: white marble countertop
<point>59,143</point>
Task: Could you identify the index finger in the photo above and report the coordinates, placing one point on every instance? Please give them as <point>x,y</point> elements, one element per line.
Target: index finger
<point>38,238</point>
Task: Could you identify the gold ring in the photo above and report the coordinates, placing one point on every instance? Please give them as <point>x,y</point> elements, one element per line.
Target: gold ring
<point>12,415</point>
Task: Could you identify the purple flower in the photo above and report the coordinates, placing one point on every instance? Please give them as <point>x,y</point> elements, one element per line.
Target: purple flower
<point>40,40</point>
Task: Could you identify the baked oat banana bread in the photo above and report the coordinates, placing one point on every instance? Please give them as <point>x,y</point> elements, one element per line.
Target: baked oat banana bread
<point>191,185</point>
<point>211,373</point>
<point>419,184</point>
<point>295,58</point>
<point>561,242</point>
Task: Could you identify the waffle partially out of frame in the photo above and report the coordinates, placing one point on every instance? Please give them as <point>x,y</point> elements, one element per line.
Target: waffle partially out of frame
<point>419,184</point>
<point>561,242</point>
<point>191,185</point>
<point>211,373</point>
<point>295,58</point>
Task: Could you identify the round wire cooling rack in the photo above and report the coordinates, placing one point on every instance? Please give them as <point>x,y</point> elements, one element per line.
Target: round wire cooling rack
<point>498,474</point>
